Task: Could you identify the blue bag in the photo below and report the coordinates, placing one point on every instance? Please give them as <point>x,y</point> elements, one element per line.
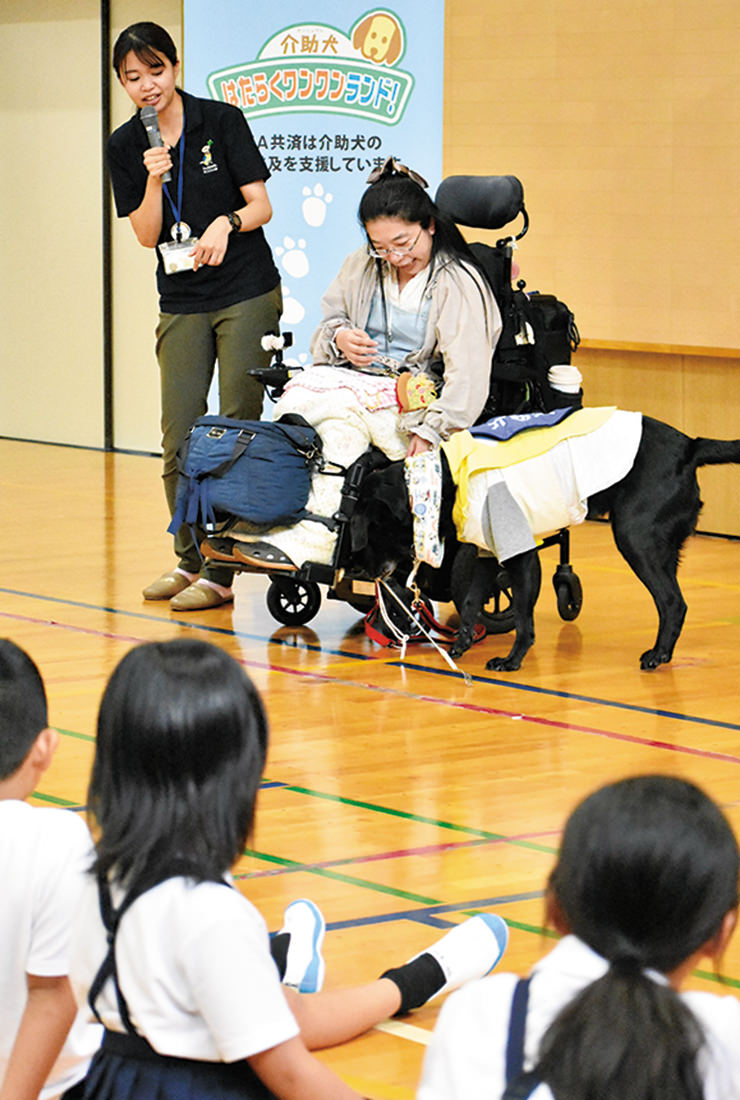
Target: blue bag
<point>254,470</point>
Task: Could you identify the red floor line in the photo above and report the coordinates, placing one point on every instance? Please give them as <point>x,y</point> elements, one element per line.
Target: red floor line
<point>476,708</point>
<point>400,853</point>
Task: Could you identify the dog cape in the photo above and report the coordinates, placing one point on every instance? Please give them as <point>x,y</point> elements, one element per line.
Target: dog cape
<point>510,493</point>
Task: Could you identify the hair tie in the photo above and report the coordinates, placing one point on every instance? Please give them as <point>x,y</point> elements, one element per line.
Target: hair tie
<point>390,167</point>
<point>627,963</point>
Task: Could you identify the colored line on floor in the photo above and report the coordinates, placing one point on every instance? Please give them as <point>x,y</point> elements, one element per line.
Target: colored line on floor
<point>481,834</point>
<point>362,657</point>
<point>378,857</point>
<point>552,693</point>
<point>179,624</point>
<point>324,677</point>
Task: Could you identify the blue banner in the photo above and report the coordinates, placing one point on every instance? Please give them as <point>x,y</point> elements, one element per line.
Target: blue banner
<point>330,89</point>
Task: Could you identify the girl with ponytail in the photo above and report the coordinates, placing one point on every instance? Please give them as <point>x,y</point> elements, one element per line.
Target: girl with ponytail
<point>645,886</point>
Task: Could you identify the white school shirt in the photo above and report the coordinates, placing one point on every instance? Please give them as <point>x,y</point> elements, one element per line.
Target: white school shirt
<point>466,1057</point>
<point>195,968</point>
<point>43,857</point>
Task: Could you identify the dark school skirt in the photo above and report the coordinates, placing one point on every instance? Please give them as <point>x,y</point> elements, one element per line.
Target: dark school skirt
<point>126,1067</point>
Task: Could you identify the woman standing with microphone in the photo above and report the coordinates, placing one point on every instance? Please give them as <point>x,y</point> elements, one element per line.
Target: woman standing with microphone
<point>199,198</point>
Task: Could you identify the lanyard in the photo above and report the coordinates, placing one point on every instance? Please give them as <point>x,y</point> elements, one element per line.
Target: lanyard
<point>177,210</point>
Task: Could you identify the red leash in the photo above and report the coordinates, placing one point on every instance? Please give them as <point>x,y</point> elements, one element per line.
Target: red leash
<point>394,636</point>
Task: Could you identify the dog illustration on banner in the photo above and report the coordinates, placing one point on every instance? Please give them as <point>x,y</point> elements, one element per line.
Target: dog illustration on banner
<point>311,67</point>
<point>379,38</point>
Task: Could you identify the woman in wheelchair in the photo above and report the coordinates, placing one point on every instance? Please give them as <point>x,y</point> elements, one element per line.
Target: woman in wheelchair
<point>402,356</point>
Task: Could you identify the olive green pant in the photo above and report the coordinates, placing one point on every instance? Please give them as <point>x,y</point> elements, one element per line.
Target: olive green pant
<point>188,345</point>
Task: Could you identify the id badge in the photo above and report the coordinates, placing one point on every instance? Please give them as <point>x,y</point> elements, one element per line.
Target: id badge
<point>176,255</point>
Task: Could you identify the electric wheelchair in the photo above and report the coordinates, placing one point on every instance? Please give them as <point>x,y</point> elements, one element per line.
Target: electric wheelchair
<point>538,332</point>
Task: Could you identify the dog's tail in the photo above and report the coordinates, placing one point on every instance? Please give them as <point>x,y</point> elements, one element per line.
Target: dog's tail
<point>715,452</point>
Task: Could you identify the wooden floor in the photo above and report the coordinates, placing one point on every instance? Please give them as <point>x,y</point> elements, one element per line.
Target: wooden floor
<point>397,796</point>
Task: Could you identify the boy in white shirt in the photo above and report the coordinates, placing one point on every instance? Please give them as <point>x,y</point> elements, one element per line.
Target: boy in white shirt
<point>45,1047</point>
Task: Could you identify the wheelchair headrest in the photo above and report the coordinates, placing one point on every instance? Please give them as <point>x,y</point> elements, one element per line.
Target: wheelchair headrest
<point>482,202</point>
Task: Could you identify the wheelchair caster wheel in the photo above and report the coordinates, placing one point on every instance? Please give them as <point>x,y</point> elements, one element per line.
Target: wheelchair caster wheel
<point>568,592</point>
<point>292,602</point>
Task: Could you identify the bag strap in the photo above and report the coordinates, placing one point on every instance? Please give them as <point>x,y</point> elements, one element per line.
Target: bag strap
<point>111,918</point>
<point>519,1085</point>
<point>241,443</point>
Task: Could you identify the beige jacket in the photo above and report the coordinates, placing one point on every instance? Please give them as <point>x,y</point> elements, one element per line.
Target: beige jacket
<point>462,330</point>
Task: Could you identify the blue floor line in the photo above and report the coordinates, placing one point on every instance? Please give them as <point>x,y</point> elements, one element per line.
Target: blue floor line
<point>572,696</point>
<point>348,655</point>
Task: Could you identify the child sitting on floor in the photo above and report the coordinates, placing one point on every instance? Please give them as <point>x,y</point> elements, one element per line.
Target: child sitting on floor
<point>43,852</point>
<point>645,886</point>
<point>174,961</point>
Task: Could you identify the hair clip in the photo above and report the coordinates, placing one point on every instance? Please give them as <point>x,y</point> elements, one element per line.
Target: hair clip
<point>391,165</point>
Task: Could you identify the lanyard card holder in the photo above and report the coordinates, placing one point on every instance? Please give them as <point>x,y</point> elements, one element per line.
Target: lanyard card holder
<point>176,255</point>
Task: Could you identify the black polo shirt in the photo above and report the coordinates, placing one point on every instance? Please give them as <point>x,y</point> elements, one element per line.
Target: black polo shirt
<point>220,157</point>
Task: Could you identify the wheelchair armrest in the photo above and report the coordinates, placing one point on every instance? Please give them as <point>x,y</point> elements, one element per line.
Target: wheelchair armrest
<point>272,376</point>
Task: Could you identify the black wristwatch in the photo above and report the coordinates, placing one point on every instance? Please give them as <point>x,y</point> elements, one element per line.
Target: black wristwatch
<point>235,221</point>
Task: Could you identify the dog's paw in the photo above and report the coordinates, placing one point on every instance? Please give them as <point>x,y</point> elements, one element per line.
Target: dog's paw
<point>460,646</point>
<point>503,664</point>
<point>652,659</point>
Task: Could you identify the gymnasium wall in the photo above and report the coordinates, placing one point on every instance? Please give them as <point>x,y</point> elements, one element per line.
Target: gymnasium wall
<point>623,122</point>
<point>51,378</point>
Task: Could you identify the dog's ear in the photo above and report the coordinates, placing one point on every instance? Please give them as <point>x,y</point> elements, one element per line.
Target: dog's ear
<point>388,488</point>
<point>360,32</point>
<point>394,50</point>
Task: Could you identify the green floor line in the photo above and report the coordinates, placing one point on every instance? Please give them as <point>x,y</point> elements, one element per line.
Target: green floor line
<point>65,802</point>
<point>73,733</point>
<point>336,876</point>
<point>481,834</point>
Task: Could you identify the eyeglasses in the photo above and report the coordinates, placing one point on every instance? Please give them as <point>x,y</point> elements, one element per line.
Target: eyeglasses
<point>384,253</point>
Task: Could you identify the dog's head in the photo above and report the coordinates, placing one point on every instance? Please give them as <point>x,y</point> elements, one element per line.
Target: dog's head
<point>381,528</point>
<point>379,38</point>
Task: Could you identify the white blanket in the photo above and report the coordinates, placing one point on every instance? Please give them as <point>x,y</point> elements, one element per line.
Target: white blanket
<point>511,506</point>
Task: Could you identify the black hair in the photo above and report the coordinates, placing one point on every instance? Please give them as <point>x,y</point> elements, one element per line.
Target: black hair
<point>23,708</point>
<point>182,738</point>
<point>647,872</point>
<point>396,195</point>
<point>148,41</point>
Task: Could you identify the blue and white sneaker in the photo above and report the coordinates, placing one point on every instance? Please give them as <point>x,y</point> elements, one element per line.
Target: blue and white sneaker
<point>303,922</point>
<point>470,950</point>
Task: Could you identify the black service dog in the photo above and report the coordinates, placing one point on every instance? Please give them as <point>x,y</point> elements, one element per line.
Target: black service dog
<point>652,510</point>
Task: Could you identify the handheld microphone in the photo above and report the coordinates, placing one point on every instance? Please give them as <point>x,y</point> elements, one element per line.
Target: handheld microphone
<point>148,116</point>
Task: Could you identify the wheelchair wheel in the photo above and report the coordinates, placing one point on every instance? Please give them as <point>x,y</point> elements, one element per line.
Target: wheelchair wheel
<point>568,592</point>
<point>497,615</point>
<point>292,602</point>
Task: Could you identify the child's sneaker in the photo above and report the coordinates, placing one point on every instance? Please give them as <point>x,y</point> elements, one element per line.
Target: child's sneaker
<point>304,927</point>
<point>469,950</point>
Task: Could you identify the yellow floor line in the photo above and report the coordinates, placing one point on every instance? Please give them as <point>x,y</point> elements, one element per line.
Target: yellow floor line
<point>405,1031</point>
